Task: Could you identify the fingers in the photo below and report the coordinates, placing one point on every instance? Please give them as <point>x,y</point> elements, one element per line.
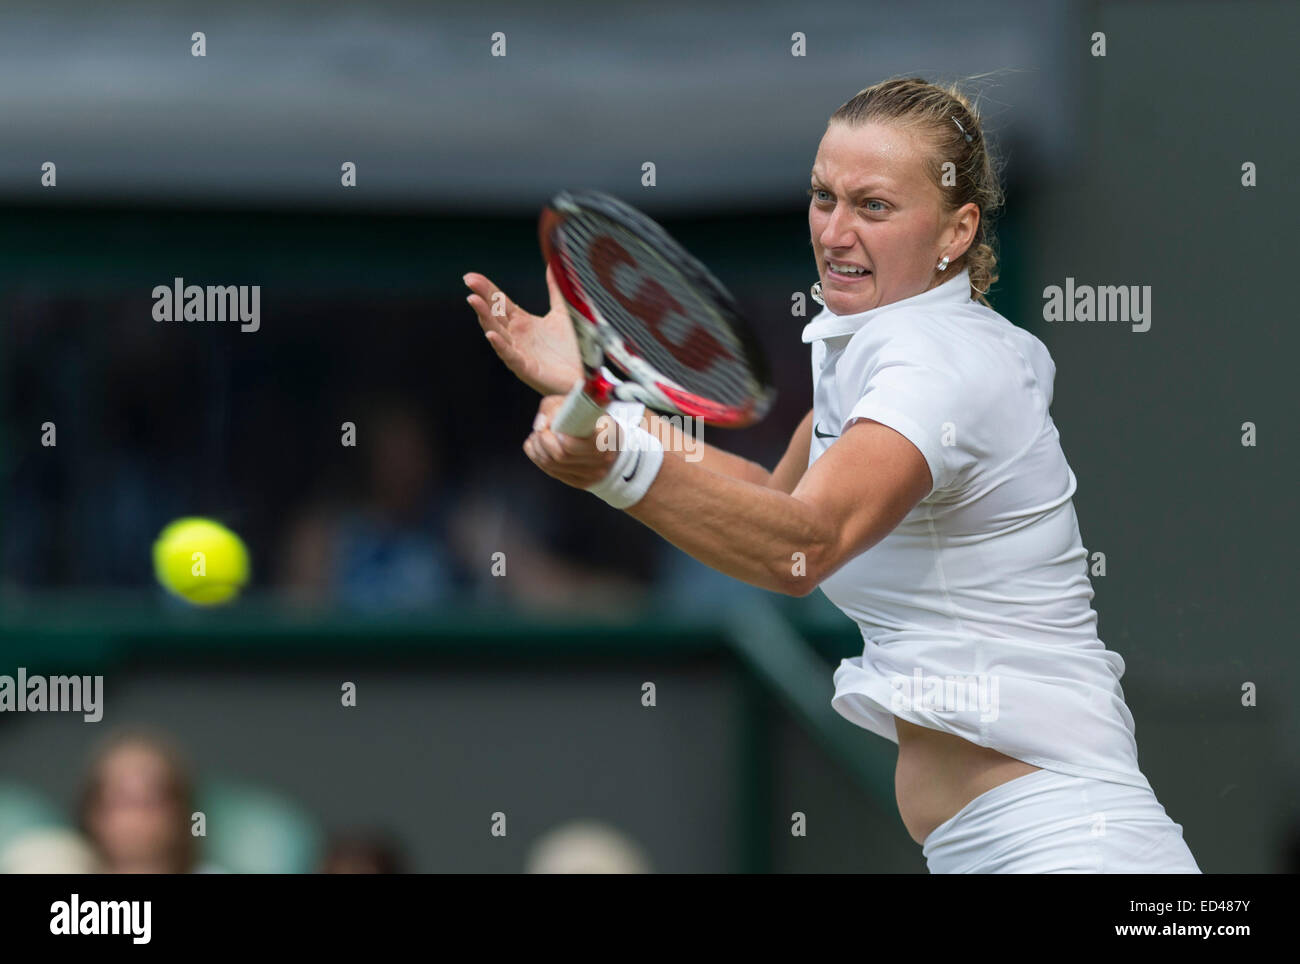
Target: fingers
<point>575,461</point>
<point>487,321</point>
<point>547,407</point>
<point>574,453</point>
<point>486,296</point>
<point>481,285</point>
<point>547,452</point>
<point>551,444</point>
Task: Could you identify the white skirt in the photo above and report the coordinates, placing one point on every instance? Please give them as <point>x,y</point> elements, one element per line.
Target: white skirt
<point>1052,823</point>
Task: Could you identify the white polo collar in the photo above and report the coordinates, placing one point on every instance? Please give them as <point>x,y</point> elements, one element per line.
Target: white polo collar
<point>827,324</point>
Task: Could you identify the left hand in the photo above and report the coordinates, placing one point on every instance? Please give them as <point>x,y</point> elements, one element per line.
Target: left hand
<point>574,461</point>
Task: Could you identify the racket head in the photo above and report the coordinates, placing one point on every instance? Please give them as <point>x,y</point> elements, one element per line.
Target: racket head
<point>641,302</point>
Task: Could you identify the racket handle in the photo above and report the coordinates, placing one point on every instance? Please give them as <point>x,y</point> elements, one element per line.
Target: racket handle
<point>578,415</point>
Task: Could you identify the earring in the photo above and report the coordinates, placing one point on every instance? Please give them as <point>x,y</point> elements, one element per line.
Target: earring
<point>816,292</point>
<point>943,265</point>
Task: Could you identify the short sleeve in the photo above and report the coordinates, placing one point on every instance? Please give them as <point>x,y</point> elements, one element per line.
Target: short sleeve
<point>912,390</point>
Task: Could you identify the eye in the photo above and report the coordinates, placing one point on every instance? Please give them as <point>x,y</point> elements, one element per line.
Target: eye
<point>881,206</point>
<point>820,195</point>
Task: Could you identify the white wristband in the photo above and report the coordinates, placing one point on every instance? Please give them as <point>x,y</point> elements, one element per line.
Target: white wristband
<point>639,459</point>
<point>626,413</point>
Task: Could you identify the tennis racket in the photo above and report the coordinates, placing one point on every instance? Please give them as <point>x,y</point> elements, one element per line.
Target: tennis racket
<point>641,303</point>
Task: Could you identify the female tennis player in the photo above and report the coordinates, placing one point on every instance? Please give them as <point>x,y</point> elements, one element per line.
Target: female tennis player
<point>926,494</point>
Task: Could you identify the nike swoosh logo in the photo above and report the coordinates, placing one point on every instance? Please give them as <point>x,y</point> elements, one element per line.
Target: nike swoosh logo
<point>820,434</point>
<point>635,465</point>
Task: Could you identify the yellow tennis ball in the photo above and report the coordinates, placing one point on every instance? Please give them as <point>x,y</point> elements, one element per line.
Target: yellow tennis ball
<point>201,561</point>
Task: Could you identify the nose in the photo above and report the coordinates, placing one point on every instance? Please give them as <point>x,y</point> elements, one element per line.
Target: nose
<point>837,233</point>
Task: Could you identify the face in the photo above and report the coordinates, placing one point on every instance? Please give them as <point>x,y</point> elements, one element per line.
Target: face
<point>878,223</point>
<point>136,819</point>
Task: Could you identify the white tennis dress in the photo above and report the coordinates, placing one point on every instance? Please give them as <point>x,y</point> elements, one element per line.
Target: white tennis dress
<point>976,610</point>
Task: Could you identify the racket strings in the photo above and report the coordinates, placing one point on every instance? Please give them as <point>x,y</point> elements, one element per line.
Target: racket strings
<point>657,312</point>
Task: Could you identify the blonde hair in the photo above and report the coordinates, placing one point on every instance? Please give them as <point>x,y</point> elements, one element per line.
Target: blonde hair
<point>951,125</point>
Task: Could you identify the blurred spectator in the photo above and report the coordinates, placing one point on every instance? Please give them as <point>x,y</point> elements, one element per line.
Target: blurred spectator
<point>408,543</point>
<point>586,847</point>
<point>362,854</point>
<point>136,807</point>
<point>389,552</point>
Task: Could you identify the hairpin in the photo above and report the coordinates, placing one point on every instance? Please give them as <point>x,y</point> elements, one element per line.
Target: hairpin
<point>968,137</point>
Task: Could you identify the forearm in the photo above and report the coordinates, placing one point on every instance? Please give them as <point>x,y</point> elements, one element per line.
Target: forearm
<point>753,533</point>
<point>786,540</point>
<point>689,448</point>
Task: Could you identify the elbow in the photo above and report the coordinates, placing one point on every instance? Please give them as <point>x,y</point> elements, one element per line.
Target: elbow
<point>802,588</point>
<point>801,571</point>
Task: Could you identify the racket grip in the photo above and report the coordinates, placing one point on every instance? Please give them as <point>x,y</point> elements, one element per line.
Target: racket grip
<point>578,415</point>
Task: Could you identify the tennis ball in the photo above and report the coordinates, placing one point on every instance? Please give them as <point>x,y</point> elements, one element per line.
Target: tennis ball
<point>201,561</point>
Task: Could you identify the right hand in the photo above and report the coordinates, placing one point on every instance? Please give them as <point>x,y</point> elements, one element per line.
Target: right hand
<point>542,351</point>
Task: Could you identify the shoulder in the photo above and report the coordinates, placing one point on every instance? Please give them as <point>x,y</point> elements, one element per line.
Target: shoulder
<point>969,344</point>
<point>962,364</point>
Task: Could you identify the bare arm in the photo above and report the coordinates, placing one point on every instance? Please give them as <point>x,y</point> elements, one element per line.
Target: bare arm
<point>850,499</point>
<point>689,449</point>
